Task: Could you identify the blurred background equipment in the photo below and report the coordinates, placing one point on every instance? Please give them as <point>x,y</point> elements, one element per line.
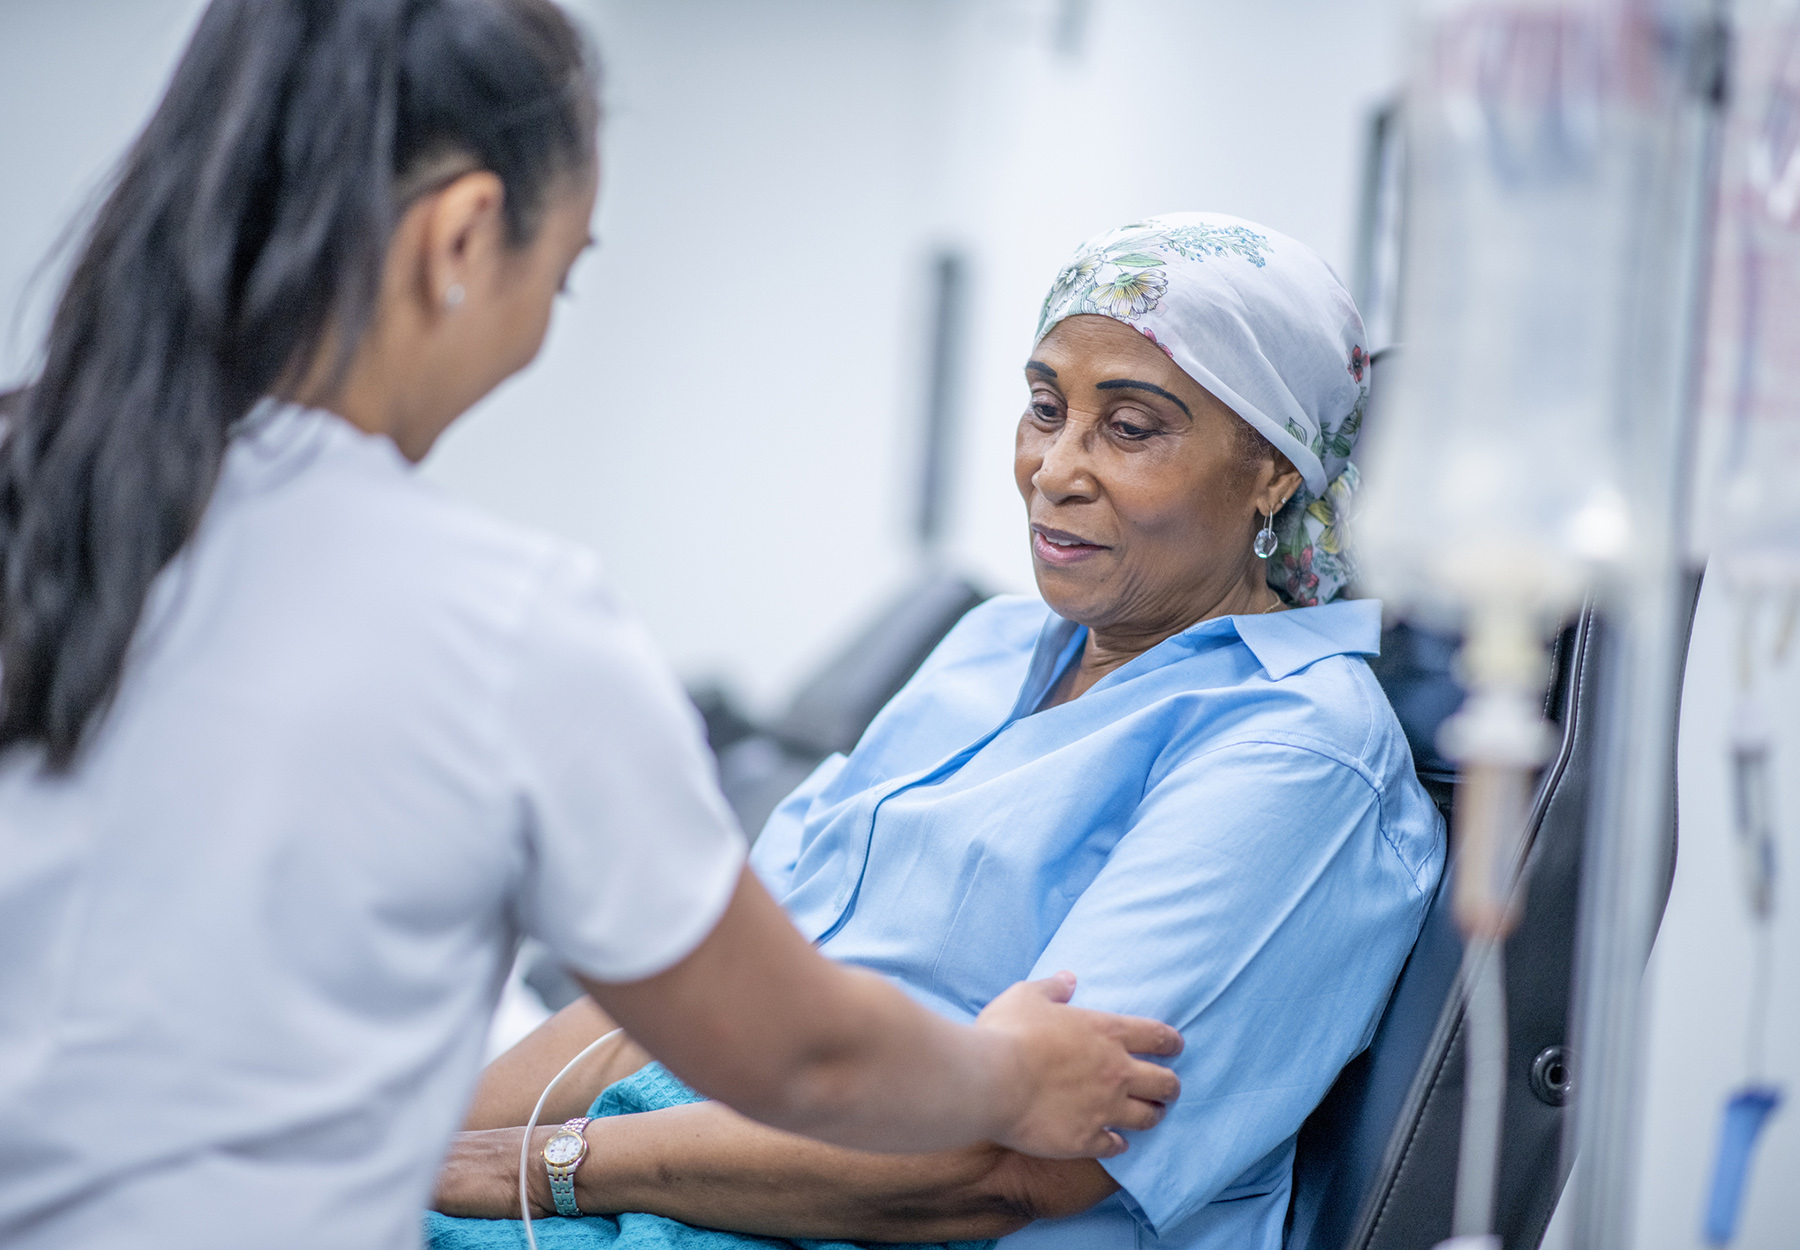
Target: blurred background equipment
<point>1381,217</point>
<point>1747,523</point>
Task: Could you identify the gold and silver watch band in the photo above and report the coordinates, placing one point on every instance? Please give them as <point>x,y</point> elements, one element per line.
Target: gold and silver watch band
<point>563,1153</point>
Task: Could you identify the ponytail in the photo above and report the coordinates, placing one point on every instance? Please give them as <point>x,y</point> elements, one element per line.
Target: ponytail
<point>243,239</point>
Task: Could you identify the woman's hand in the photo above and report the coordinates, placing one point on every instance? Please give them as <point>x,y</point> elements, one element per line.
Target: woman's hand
<point>1081,1084</point>
<point>480,1176</point>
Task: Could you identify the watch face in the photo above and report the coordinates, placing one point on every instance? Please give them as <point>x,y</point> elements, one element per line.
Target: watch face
<point>564,1148</point>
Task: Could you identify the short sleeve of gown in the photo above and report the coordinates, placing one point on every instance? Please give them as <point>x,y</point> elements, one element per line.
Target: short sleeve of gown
<point>1255,904</point>
<point>631,852</point>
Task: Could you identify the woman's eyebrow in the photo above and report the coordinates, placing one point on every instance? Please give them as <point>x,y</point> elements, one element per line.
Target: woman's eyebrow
<point>1038,366</point>
<point>1116,384</point>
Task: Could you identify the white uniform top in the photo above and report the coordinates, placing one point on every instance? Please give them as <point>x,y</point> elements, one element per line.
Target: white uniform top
<point>367,738</point>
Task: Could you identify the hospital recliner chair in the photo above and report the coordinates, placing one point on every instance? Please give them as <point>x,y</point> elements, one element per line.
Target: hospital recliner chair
<point>1376,1161</point>
<point>760,765</point>
<point>1376,1164</point>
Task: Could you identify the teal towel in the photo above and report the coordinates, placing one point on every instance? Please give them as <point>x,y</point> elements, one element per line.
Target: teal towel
<point>648,1089</point>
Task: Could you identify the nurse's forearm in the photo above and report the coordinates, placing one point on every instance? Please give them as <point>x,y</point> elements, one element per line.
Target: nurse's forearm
<point>760,1020</point>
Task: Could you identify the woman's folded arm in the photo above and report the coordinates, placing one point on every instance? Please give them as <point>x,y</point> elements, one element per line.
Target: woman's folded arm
<point>510,1085</point>
<point>704,1164</point>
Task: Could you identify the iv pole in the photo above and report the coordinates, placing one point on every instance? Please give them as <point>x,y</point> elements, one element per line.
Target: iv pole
<point>1625,866</point>
<point>1561,171</point>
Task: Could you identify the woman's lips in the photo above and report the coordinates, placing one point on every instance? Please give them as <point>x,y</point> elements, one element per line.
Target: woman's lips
<point>1059,548</point>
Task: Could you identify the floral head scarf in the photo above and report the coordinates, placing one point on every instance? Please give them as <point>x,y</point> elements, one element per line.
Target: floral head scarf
<point>1264,325</point>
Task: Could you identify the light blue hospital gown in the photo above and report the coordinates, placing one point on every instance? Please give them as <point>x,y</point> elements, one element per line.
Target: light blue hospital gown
<point>1225,833</point>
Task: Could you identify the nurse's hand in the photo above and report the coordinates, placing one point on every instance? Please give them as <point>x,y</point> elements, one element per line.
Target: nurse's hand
<point>1080,1083</point>
<point>760,1020</point>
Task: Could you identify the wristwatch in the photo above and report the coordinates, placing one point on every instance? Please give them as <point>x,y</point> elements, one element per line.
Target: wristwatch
<point>563,1153</point>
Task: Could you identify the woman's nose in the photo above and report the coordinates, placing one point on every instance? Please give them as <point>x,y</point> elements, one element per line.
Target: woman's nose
<point>1066,471</point>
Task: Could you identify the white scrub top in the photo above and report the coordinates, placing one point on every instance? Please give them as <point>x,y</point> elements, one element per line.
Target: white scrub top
<point>366,739</point>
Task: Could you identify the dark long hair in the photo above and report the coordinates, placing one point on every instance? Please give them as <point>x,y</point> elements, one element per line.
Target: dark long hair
<point>245,232</point>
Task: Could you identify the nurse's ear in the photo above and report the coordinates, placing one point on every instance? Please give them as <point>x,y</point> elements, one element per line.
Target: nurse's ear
<point>460,241</point>
<point>464,304</point>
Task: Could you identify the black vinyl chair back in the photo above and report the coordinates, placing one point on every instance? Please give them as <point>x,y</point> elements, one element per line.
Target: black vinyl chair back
<point>759,765</point>
<point>1376,1164</point>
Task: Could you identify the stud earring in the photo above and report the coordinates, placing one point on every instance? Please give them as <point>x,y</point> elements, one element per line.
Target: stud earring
<point>1264,546</point>
<point>453,297</point>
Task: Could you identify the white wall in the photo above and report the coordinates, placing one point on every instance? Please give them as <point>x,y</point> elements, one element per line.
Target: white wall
<point>727,407</point>
<point>724,407</point>
<point>77,80</point>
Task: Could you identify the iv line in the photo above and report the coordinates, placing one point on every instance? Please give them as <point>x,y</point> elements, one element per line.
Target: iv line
<point>1484,1101</point>
<point>525,1143</point>
<point>1747,1111</point>
<point>1755,823</point>
<point>1757,1029</point>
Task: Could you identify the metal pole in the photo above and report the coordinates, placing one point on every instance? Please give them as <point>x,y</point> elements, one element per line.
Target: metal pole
<point>1626,862</point>
<point>1621,888</point>
<point>1484,1090</point>
<point>949,283</point>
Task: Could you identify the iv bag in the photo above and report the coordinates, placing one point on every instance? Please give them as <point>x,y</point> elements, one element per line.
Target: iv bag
<point>1494,466</point>
<point>1747,496</point>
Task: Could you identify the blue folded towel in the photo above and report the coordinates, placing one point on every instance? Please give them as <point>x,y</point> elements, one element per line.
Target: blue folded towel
<point>649,1089</point>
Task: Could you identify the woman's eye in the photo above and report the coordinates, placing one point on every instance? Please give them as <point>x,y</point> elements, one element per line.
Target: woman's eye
<point>1044,411</point>
<point>1136,433</point>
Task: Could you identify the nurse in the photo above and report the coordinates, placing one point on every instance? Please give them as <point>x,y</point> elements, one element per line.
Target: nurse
<point>293,750</point>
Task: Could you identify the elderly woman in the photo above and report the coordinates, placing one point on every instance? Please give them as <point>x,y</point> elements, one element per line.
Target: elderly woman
<point>1174,774</point>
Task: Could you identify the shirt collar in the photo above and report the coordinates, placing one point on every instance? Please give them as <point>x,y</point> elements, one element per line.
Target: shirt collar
<point>276,439</point>
<point>1282,642</point>
<point>1286,642</point>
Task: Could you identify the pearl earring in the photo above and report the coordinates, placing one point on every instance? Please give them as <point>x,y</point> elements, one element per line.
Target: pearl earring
<point>453,297</point>
<point>1264,546</point>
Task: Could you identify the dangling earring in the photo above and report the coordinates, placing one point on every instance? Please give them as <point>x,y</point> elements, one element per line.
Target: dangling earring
<point>453,297</point>
<point>1264,546</point>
